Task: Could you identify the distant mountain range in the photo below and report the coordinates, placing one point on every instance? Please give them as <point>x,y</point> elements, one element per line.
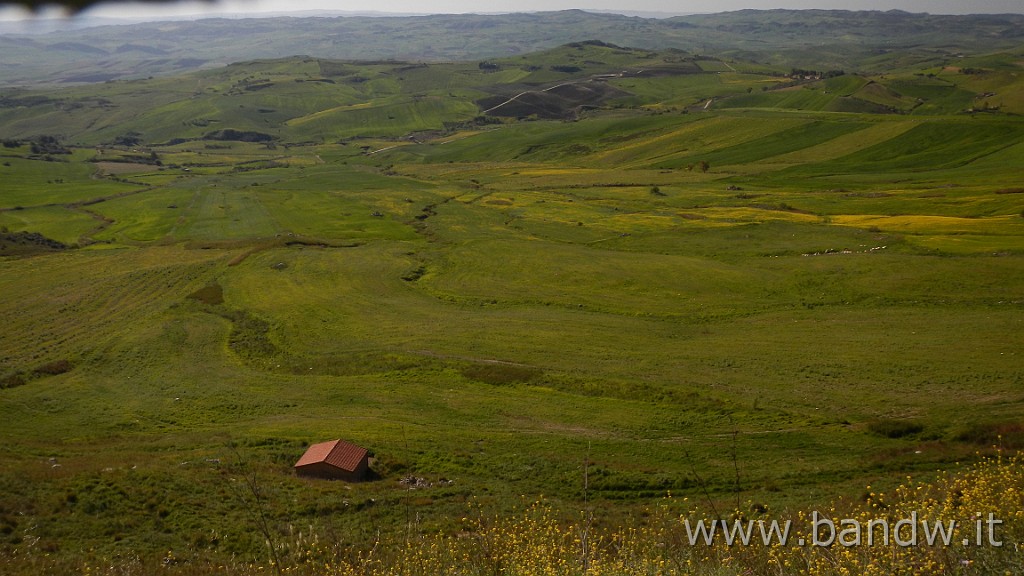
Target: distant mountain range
<point>816,39</point>
<point>45,24</point>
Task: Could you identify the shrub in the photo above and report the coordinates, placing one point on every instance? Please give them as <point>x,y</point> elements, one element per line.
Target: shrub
<point>54,368</point>
<point>12,381</point>
<point>1009,435</point>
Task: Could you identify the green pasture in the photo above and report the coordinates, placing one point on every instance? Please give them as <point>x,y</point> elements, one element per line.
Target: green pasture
<point>840,145</point>
<point>693,89</point>
<point>928,147</point>
<point>695,141</point>
<point>390,119</point>
<point>845,85</point>
<point>885,96</point>
<point>532,141</point>
<point>791,98</point>
<point>784,141</point>
<point>63,224</point>
<point>765,300</point>
<point>65,180</point>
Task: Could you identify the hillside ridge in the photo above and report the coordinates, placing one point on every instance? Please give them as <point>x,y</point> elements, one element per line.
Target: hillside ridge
<point>793,38</point>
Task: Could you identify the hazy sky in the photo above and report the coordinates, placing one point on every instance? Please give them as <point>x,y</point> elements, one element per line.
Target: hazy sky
<point>483,6</point>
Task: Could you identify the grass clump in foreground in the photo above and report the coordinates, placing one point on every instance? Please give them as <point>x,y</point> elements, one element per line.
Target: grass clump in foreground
<point>980,511</point>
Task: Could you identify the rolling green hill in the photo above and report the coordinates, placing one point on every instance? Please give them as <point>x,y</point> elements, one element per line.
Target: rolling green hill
<point>871,41</point>
<point>317,100</point>
<point>596,274</point>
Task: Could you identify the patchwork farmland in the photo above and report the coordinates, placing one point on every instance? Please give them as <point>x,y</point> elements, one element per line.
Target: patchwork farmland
<point>689,277</point>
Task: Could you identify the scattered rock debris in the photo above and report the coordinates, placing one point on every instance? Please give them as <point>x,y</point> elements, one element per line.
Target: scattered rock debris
<point>417,482</point>
<point>832,251</point>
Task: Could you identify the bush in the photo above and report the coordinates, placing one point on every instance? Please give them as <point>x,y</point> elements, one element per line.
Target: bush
<point>1007,435</point>
<point>12,381</point>
<point>54,368</point>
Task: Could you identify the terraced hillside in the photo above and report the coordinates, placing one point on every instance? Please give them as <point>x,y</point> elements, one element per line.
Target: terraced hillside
<point>596,273</point>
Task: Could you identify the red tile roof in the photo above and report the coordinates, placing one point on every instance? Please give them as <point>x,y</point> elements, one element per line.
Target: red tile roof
<point>337,453</point>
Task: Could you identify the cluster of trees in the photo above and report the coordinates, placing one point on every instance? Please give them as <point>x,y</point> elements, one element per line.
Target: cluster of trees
<point>817,74</point>
<point>128,139</point>
<point>48,145</point>
<point>703,166</point>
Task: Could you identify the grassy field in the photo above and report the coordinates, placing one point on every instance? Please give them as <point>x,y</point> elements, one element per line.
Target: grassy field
<point>761,299</point>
